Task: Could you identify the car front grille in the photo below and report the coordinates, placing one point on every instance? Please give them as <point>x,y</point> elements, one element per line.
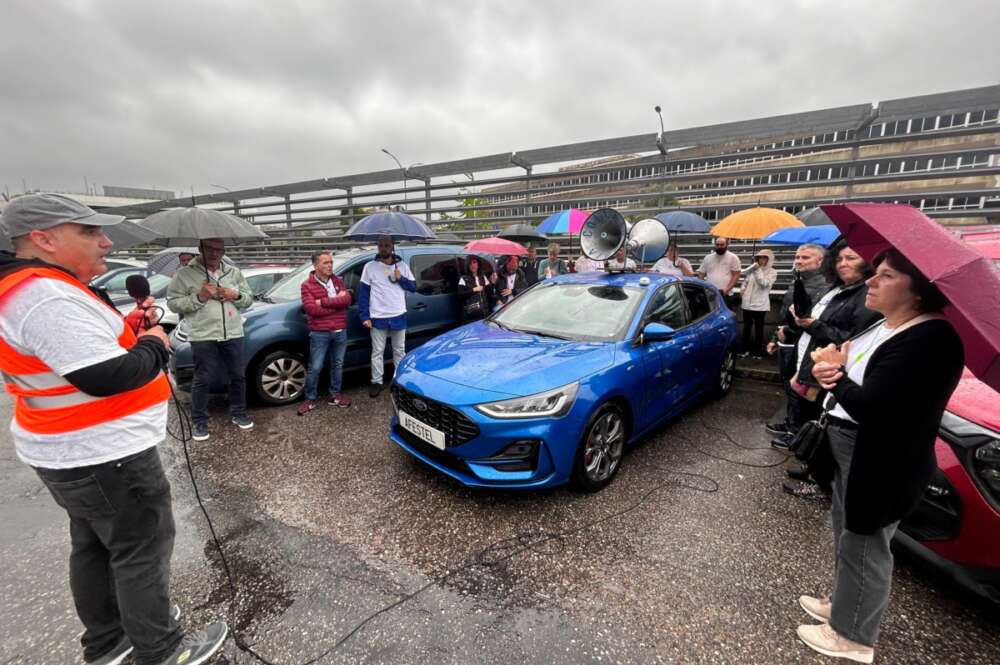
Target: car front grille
<point>456,426</point>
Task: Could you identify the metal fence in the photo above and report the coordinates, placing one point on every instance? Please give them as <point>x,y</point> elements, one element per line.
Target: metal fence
<point>711,170</point>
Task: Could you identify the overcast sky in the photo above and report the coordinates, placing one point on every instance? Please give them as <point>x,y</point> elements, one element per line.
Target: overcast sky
<point>240,94</point>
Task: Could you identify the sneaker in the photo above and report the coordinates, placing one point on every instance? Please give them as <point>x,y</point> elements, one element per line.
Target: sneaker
<point>817,608</point>
<point>117,654</point>
<point>196,648</point>
<point>306,406</point>
<point>374,390</point>
<point>243,422</point>
<point>829,642</point>
<point>798,473</point>
<point>781,442</point>
<point>339,400</point>
<point>802,490</point>
<point>777,428</point>
<point>199,432</point>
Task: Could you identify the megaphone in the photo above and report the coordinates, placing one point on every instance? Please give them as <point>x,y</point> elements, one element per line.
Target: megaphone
<point>605,232</point>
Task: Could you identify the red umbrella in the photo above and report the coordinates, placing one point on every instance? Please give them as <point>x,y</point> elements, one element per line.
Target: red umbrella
<point>496,246</point>
<point>968,279</point>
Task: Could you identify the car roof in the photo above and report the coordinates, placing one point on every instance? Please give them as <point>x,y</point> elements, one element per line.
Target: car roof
<point>250,272</point>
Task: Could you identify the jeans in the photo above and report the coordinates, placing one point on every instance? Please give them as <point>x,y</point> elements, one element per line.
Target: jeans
<point>210,358</point>
<point>398,339</point>
<point>862,576</point>
<point>756,321</point>
<point>122,536</point>
<point>323,346</point>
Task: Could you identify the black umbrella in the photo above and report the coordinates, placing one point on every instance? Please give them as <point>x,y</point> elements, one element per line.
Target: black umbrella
<point>522,233</point>
<point>813,217</point>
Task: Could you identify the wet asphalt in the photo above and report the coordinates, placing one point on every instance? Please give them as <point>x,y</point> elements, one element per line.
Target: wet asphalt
<point>685,558</point>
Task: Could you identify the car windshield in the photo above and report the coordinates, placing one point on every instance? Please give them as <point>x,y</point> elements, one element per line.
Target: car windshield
<point>289,288</point>
<point>584,312</point>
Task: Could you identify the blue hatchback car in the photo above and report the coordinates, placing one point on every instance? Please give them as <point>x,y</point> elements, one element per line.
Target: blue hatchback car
<point>554,386</point>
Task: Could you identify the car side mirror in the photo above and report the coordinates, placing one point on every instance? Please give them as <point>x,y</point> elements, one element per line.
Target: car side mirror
<point>657,332</point>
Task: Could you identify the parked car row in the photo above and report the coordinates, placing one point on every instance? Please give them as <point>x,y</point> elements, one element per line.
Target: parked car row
<point>277,340</point>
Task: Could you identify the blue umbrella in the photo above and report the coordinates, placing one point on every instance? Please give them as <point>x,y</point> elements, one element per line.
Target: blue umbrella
<point>682,221</point>
<point>398,225</point>
<point>799,235</point>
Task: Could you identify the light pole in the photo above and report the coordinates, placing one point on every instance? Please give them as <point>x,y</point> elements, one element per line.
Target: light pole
<point>401,170</point>
<point>220,187</point>
<point>661,145</point>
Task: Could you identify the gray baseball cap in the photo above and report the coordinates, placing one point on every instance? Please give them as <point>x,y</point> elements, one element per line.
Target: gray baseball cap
<point>43,211</point>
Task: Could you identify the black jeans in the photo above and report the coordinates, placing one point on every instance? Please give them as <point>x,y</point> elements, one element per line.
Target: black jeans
<point>756,321</point>
<point>122,536</point>
<point>210,358</point>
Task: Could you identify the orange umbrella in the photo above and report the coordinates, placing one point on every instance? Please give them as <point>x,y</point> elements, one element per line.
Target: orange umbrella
<point>754,223</point>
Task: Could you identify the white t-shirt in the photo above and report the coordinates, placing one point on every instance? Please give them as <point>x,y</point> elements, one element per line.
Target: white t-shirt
<point>719,269</point>
<point>583,264</point>
<point>861,350</point>
<point>387,298</point>
<point>668,267</point>
<point>817,309</point>
<point>615,264</point>
<point>68,330</point>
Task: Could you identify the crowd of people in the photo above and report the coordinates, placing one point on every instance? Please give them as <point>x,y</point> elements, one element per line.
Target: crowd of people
<point>852,351</point>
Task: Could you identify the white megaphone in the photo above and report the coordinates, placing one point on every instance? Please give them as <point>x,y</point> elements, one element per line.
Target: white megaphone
<point>605,232</point>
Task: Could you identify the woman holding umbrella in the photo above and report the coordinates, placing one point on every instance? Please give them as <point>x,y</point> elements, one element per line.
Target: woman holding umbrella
<point>889,386</point>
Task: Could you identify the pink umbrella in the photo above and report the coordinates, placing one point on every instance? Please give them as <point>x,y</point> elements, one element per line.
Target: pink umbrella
<point>496,246</point>
<point>967,278</point>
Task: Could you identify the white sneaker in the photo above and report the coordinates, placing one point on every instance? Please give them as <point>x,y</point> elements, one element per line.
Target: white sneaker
<point>817,608</point>
<point>829,642</point>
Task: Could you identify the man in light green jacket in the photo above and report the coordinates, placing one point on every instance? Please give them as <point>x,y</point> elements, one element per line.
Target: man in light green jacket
<point>209,294</point>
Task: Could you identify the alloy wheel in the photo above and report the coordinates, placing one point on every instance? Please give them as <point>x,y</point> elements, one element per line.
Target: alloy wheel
<point>283,379</point>
<point>604,446</point>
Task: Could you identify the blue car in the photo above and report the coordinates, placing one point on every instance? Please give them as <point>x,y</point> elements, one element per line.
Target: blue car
<point>277,339</point>
<point>554,386</point>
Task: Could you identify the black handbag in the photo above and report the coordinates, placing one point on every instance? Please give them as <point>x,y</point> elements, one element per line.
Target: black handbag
<point>810,440</point>
<point>473,306</point>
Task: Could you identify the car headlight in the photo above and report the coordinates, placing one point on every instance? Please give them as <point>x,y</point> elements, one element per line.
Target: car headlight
<point>984,445</point>
<point>550,404</point>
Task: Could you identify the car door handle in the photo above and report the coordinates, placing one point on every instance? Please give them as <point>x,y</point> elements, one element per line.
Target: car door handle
<point>420,305</point>
<point>687,347</point>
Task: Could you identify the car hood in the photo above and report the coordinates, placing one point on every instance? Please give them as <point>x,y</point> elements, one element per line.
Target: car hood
<point>486,357</point>
<point>976,401</point>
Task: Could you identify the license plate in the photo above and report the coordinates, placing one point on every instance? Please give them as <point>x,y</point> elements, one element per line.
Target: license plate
<point>423,431</point>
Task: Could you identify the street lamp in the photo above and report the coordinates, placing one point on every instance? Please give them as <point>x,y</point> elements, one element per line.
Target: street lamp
<point>402,170</point>
<point>661,145</point>
<point>220,187</point>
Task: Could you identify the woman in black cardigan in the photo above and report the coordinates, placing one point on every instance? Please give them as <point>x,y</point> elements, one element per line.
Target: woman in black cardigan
<point>475,291</point>
<point>890,385</point>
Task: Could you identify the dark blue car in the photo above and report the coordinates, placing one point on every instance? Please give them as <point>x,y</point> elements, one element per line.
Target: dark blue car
<point>277,340</point>
<point>554,386</point>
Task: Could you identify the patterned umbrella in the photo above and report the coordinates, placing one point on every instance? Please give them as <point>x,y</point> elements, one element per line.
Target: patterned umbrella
<point>567,221</point>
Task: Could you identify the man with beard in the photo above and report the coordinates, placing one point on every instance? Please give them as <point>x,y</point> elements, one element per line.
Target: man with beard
<point>382,307</point>
<point>807,269</point>
<point>721,268</point>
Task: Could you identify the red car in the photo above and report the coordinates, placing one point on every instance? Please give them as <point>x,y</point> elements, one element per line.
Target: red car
<point>956,527</point>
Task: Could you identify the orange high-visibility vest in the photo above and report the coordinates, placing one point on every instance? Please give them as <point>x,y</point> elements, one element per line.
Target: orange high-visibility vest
<point>45,402</point>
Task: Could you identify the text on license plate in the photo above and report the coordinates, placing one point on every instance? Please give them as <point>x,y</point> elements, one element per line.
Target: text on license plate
<point>425,432</point>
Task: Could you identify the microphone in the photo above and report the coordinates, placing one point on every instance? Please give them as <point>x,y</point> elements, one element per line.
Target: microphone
<point>137,286</point>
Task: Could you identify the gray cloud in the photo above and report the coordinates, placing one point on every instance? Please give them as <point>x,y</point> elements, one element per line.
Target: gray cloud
<point>241,94</point>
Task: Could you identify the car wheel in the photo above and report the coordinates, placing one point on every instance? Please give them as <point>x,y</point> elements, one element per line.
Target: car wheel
<point>280,377</point>
<point>600,452</point>
<point>724,377</point>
